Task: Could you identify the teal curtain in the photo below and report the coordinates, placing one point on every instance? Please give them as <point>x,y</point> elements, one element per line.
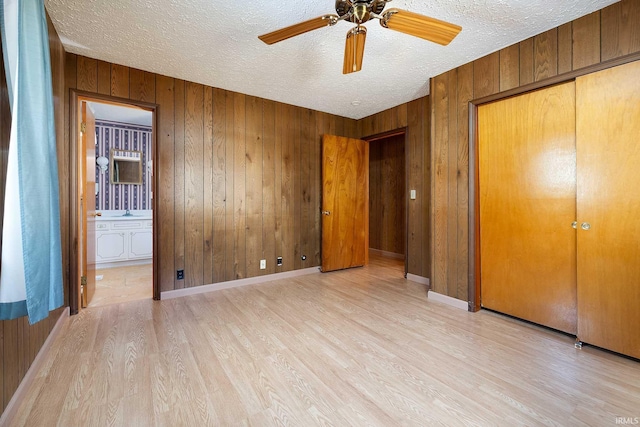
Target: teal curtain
<point>31,271</point>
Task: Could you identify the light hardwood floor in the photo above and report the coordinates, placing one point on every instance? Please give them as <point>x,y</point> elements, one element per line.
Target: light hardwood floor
<point>356,347</point>
<point>123,284</point>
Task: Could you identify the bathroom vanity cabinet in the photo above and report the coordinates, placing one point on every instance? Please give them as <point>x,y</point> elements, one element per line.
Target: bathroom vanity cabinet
<point>122,241</point>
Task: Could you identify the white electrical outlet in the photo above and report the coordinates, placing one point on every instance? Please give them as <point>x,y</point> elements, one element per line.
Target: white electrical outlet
<point>263,264</point>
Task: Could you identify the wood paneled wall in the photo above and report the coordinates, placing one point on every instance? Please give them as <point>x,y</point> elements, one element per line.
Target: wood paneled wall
<point>600,36</point>
<point>387,198</point>
<point>415,117</point>
<point>238,176</point>
<point>19,341</point>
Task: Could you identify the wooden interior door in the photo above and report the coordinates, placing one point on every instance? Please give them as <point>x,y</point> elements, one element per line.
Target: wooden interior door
<point>345,203</point>
<point>608,127</point>
<point>87,160</point>
<point>527,178</point>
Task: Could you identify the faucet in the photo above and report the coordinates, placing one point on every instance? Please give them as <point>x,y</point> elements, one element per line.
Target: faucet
<point>127,213</point>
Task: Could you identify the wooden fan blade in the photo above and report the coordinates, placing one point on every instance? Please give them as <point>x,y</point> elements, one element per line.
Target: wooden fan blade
<point>297,29</point>
<point>354,50</point>
<point>421,26</point>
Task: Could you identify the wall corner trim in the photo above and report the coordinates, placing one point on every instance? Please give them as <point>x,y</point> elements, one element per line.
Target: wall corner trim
<point>418,279</point>
<point>454,302</point>
<point>17,398</point>
<point>237,283</point>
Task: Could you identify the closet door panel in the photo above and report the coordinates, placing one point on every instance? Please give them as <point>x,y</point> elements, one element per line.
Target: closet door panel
<point>608,159</point>
<point>527,183</point>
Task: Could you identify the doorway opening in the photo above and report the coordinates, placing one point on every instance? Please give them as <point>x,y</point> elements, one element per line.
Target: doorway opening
<point>113,183</point>
<point>388,200</point>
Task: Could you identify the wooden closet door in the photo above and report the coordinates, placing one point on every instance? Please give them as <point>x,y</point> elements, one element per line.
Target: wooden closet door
<point>527,184</point>
<point>608,129</point>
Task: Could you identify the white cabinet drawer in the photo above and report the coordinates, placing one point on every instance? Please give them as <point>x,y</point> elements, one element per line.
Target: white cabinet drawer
<point>126,225</point>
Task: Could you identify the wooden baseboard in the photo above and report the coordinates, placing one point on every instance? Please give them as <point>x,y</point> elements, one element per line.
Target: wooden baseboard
<point>237,283</point>
<point>11,409</point>
<point>418,279</point>
<point>386,254</point>
<point>453,302</point>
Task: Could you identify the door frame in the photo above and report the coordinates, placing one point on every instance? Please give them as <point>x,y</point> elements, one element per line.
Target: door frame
<point>75,97</point>
<point>474,284</point>
<point>377,137</point>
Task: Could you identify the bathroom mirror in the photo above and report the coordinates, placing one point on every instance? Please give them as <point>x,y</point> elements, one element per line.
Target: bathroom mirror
<point>126,167</point>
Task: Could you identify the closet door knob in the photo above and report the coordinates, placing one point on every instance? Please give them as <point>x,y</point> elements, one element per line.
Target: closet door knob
<point>574,224</point>
<point>585,226</point>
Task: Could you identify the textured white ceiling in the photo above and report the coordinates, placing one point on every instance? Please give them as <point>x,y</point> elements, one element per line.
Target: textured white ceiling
<point>121,114</point>
<point>216,43</point>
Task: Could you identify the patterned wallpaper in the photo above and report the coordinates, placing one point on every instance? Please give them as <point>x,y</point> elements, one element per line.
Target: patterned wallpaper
<point>123,136</point>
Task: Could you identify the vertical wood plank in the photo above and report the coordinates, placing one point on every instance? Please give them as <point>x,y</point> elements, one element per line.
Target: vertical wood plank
<point>586,41</point>
<point>487,75</point>
<point>119,81</point>
<point>297,186</point>
<point>526,61</point>
<point>70,82</point>
<point>166,179</point>
<point>308,229</point>
<point>10,359</point>
<point>26,343</point>
<point>87,77</point>
<point>2,339</point>
<point>269,186</point>
<point>288,178</point>
<point>218,187</point>
<point>316,193</point>
<point>565,54</point>
<point>510,67</point>
<point>193,185</point>
<point>179,180</point>
<point>280,129</point>
<point>440,100</point>
<point>465,94</point>
<point>545,55</point>
<point>229,186</point>
<point>426,188</point>
<point>104,78</point>
<point>452,176</point>
<point>402,115</point>
<point>142,85</point>
<point>253,158</point>
<point>208,189</point>
<point>414,173</point>
<point>239,187</point>
<point>620,29</point>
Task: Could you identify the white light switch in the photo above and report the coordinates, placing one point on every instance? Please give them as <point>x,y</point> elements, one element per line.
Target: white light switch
<point>412,194</point>
<point>263,264</point>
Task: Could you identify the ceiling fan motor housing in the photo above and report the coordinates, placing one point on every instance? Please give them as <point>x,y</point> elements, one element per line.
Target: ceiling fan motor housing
<point>359,10</point>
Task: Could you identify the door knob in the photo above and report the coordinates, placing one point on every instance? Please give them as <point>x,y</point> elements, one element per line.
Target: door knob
<point>326,213</point>
<point>574,224</point>
<point>585,226</point>
<point>97,214</point>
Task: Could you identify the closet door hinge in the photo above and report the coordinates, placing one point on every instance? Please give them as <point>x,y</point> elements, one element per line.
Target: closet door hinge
<point>83,127</point>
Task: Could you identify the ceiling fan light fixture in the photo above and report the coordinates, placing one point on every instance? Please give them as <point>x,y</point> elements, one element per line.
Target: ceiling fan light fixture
<point>361,13</point>
<point>354,50</point>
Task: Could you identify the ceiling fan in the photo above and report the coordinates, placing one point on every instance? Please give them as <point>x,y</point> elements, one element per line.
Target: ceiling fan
<point>361,11</point>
